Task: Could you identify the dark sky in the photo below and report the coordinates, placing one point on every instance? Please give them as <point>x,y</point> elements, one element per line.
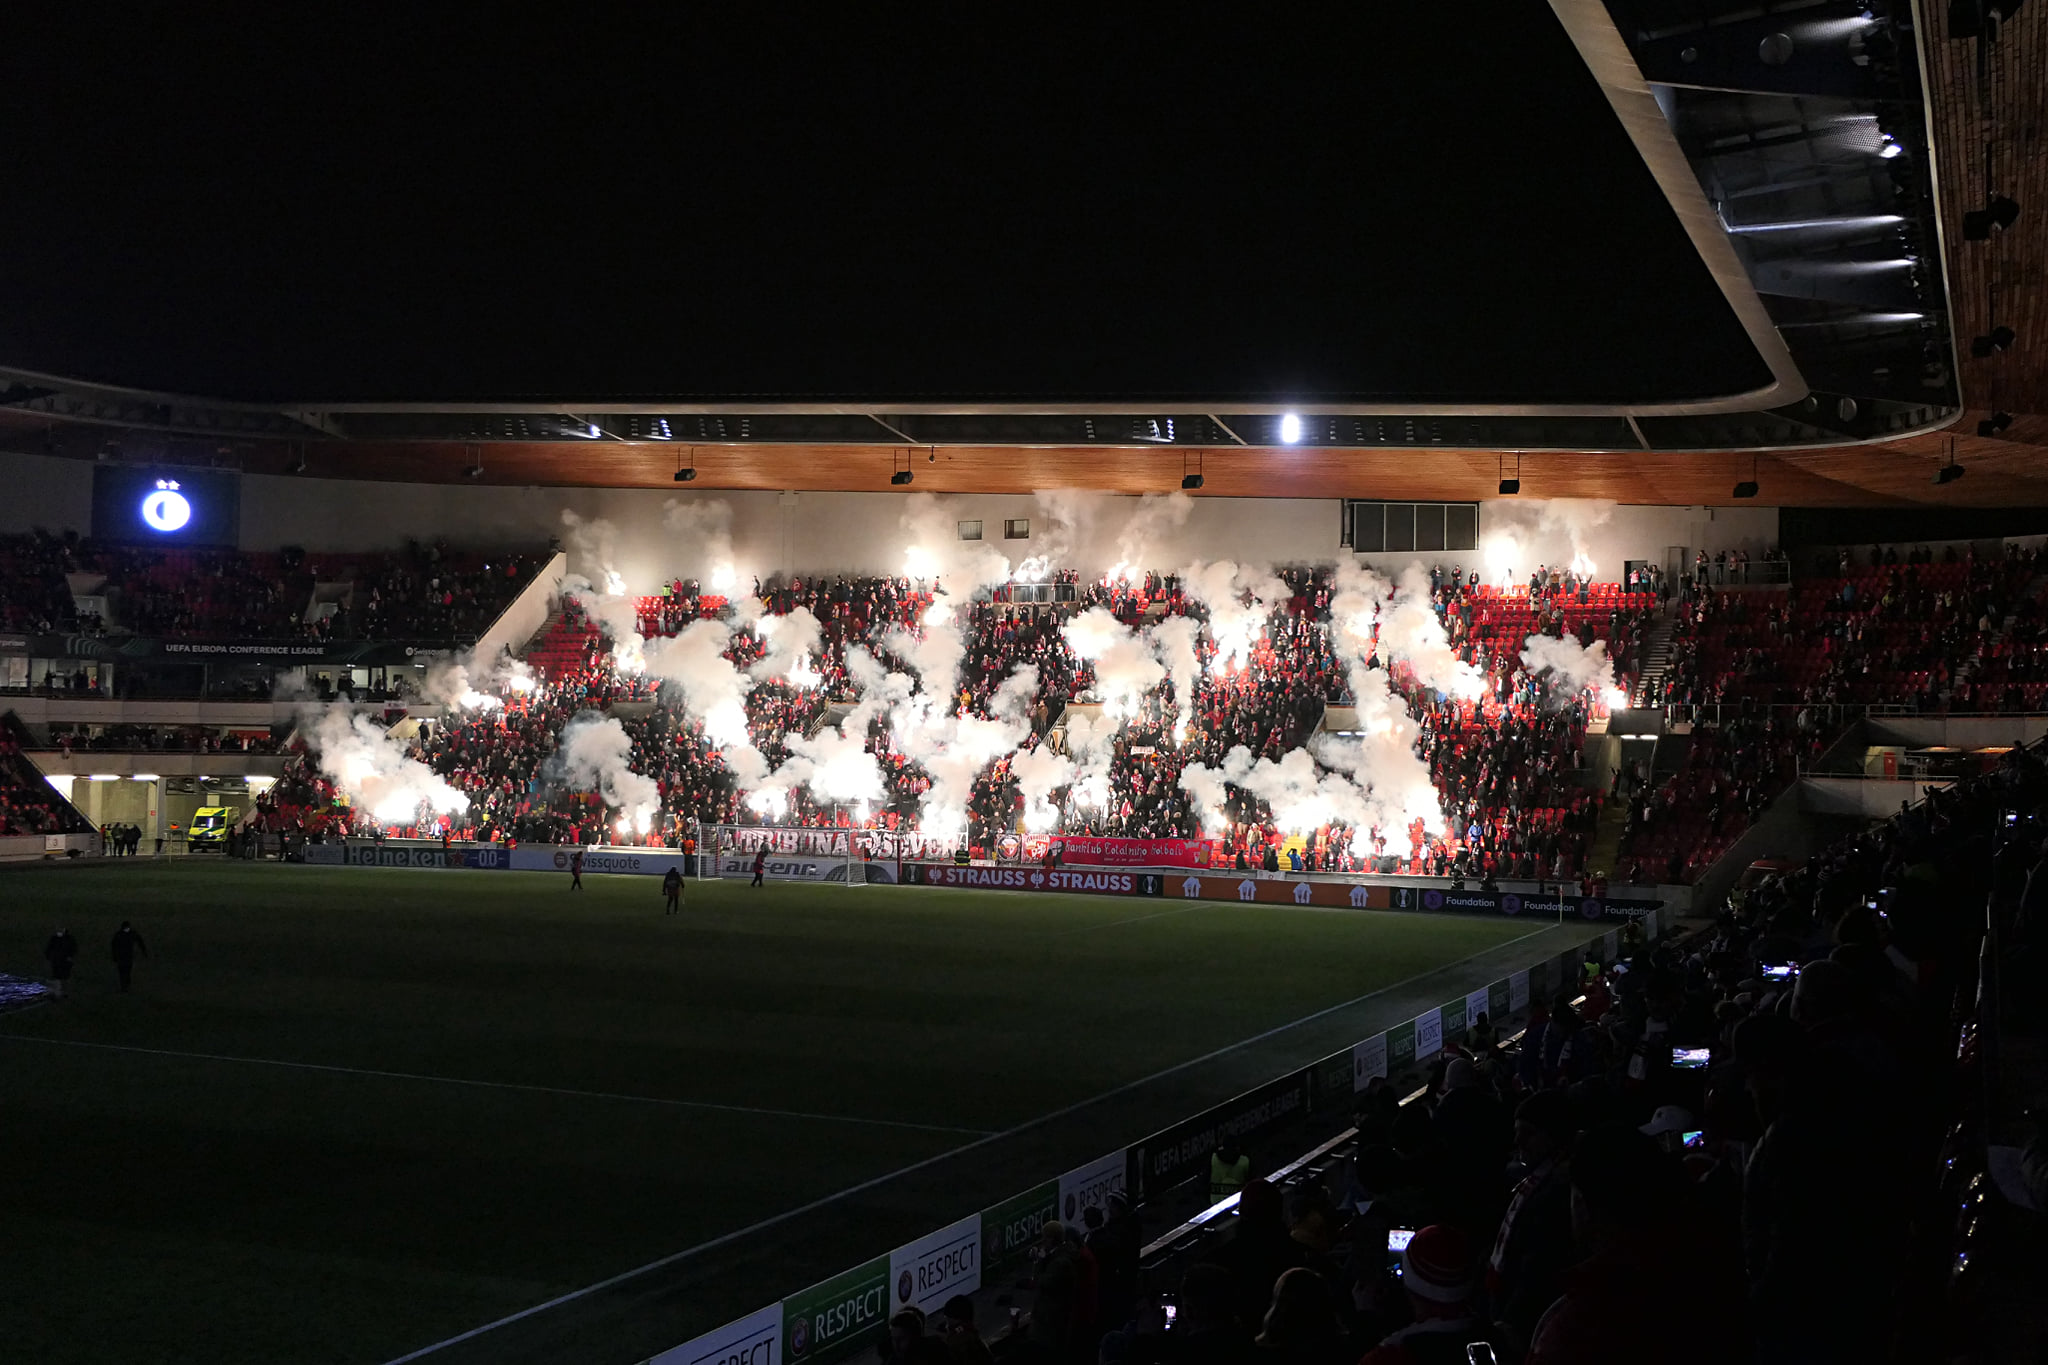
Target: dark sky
<point>1128,203</point>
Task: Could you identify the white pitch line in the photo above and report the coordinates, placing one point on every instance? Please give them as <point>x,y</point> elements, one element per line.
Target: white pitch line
<point>1134,919</point>
<point>824,1201</point>
<point>509,1085</point>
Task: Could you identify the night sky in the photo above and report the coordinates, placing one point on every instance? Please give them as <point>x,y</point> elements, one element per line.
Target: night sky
<point>1427,203</point>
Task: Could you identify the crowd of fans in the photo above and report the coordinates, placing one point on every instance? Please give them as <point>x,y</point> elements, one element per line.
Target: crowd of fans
<point>167,739</point>
<point>1271,704</point>
<point>1509,767</point>
<point>28,804</point>
<point>1958,634</point>
<point>1721,1149</point>
<point>424,592</point>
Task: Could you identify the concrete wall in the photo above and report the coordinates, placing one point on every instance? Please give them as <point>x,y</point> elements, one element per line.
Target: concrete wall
<point>55,763</point>
<point>865,532</point>
<point>1961,732</point>
<point>1869,798</point>
<point>528,612</point>
<point>249,715</point>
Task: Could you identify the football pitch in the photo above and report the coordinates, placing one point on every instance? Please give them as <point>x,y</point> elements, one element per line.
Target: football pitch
<point>346,1113</point>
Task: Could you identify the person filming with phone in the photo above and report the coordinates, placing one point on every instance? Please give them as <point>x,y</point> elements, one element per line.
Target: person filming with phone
<point>1440,1277</point>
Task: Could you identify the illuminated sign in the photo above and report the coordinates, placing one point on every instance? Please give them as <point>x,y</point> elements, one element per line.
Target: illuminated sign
<point>166,509</point>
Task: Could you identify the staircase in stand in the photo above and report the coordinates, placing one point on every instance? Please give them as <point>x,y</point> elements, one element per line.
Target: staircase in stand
<point>1657,653</point>
<point>1605,850</point>
<point>1968,667</point>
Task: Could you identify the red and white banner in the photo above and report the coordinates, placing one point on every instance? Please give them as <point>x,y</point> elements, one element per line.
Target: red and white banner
<point>1126,852</point>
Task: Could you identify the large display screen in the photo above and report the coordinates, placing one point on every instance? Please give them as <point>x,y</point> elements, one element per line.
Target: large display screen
<point>165,504</point>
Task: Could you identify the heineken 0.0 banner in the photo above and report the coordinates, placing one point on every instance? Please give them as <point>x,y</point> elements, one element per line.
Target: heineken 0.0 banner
<point>845,1313</point>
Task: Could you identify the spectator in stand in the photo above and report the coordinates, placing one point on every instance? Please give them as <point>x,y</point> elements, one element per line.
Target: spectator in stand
<point>1302,1326</point>
<point>1534,1242</point>
<point>1646,1251</point>
<point>1443,1302</point>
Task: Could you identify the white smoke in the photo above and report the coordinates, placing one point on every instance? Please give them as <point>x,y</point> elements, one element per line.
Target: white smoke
<point>933,650</point>
<point>1141,541</point>
<point>594,550</point>
<point>714,692</point>
<point>1039,773</point>
<point>362,759</point>
<point>1013,698</point>
<point>616,616</point>
<point>1578,667</point>
<point>793,640</point>
<point>1175,638</point>
<point>594,753</point>
<point>1126,668</point>
<point>448,684</point>
<point>1240,598</point>
<point>461,684</point>
<point>1412,632</point>
<point>935,550</point>
<point>1514,528</point>
<point>834,764</point>
<point>704,528</point>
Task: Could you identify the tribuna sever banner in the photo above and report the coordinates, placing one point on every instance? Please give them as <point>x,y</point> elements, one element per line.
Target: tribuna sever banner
<point>829,842</point>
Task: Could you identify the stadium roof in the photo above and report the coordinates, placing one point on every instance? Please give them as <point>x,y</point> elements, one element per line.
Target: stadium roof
<point>1640,227</point>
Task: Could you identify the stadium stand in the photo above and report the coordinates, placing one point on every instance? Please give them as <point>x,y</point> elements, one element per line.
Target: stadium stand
<point>1744,1143</point>
<point>28,804</point>
<point>426,592</point>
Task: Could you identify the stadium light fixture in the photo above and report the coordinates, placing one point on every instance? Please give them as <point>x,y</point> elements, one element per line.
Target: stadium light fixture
<point>1290,427</point>
<point>144,777</point>
<point>1509,487</point>
<point>1995,423</point>
<point>1999,339</point>
<point>1979,18</point>
<point>687,472</point>
<point>1999,213</point>
<point>900,478</point>
<point>1748,487</point>
<point>1191,478</point>
<point>1948,473</point>
<point>1190,482</point>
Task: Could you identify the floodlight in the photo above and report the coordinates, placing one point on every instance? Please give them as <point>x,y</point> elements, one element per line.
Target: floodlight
<point>1998,339</point>
<point>1948,473</point>
<point>1995,423</point>
<point>1746,489</point>
<point>1290,427</point>
<point>685,475</point>
<point>900,478</point>
<point>1191,482</point>
<point>1510,487</point>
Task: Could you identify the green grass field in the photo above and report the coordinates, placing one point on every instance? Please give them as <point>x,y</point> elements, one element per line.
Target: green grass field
<point>499,1092</point>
